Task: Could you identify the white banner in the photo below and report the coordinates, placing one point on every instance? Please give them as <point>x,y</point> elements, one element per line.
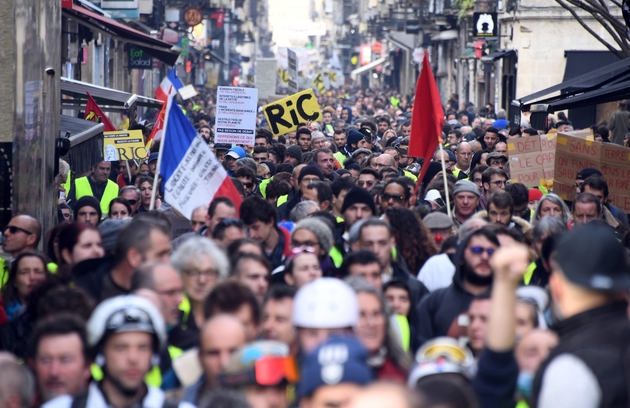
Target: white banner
<point>236,115</point>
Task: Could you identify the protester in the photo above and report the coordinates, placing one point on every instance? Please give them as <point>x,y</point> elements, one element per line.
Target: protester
<point>78,242</point>
<point>26,272</point>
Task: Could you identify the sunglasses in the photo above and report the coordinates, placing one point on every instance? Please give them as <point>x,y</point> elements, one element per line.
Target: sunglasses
<point>267,371</point>
<point>13,230</point>
<point>478,250</point>
<point>396,197</point>
<point>301,250</point>
<point>248,185</point>
<point>362,183</point>
<point>133,202</point>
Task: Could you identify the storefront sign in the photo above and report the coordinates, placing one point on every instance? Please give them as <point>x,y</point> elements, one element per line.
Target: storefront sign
<point>139,59</point>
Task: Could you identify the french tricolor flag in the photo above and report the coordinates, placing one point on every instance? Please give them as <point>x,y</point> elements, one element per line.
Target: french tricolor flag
<point>169,87</point>
<point>192,174</point>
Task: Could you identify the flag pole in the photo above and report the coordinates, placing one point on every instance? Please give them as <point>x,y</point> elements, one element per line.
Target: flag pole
<point>128,170</point>
<point>159,160</point>
<point>448,200</point>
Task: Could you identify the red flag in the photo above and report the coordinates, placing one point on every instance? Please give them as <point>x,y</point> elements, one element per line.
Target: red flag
<point>427,118</point>
<point>93,112</point>
<point>158,129</point>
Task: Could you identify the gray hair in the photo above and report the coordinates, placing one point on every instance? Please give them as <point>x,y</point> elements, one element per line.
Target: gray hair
<point>16,380</point>
<point>548,226</point>
<point>64,167</point>
<point>318,228</point>
<point>471,225</point>
<point>317,135</point>
<point>302,210</point>
<point>247,162</point>
<point>194,248</point>
<point>555,199</point>
<point>201,207</point>
<point>316,124</point>
<point>128,188</point>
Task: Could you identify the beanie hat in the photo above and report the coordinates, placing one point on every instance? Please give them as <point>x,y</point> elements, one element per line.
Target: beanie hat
<point>271,166</point>
<point>465,186</point>
<point>535,194</point>
<point>296,152</point>
<point>354,136</point>
<point>311,169</point>
<point>87,201</point>
<point>109,231</point>
<point>319,229</point>
<point>434,168</point>
<point>588,172</point>
<point>358,195</point>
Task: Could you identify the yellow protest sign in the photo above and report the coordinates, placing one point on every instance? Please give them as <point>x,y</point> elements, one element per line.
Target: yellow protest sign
<point>318,83</point>
<point>283,75</point>
<point>123,145</point>
<point>284,115</point>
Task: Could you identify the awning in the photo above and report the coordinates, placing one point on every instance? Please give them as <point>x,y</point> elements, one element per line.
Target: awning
<point>108,99</point>
<point>86,142</point>
<point>490,58</point>
<point>582,62</point>
<point>607,84</point>
<point>156,48</point>
<point>366,68</point>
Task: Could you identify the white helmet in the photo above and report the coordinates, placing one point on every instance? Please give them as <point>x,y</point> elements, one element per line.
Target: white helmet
<point>125,314</point>
<point>325,303</point>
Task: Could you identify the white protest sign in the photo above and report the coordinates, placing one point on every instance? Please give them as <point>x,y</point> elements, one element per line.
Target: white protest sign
<point>266,77</point>
<point>293,71</point>
<point>236,115</point>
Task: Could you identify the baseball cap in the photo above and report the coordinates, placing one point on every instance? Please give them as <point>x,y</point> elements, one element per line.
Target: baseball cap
<point>236,152</point>
<point>222,146</point>
<point>153,157</point>
<point>339,360</point>
<point>591,256</point>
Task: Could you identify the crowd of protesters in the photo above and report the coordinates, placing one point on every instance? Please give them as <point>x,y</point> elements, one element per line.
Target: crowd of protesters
<point>336,283</point>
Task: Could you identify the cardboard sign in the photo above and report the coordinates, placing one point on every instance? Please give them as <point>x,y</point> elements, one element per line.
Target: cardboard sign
<point>621,201</point>
<point>548,142</point>
<point>565,191</point>
<point>284,115</point>
<point>578,147</point>
<point>521,145</point>
<point>529,161</point>
<point>567,166</point>
<point>123,145</point>
<point>236,115</point>
<point>615,154</point>
<point>532,177</point>
<point>618,178</point>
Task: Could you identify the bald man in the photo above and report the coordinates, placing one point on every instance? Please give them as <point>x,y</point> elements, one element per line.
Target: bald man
<point>384,160</point>
<point>22,234</point>
<point>166,282</point>
<point>220,337</point>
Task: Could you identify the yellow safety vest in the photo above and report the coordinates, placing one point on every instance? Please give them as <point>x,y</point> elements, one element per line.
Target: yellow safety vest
<point>522,404</point>
<point>282,199</point>
<point>341,158</point>
<point>262,187</point>
<point>456,172</point>
<point>410,175</point>
<point>153,377</point>
<point>68,184</point>
<point>405,333</point>
<point>336,256</point>
<point>83,188</point>
<point>527,277</point>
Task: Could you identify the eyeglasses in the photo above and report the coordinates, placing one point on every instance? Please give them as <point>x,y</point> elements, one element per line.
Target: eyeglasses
<point>132,202</point>
<point>310,180</point>
<point>362,183</point>
<point>478,250</point>
<point>13,230</point>
<point>497,163</point>
<point>306,244</point>
<point>499,183</point>
<point>396,197</point>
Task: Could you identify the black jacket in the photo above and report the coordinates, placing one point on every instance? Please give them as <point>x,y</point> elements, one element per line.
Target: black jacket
<point>89,274</point>
<point>285,209</point>
<point>599,337</point>
<point>437,314</point>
